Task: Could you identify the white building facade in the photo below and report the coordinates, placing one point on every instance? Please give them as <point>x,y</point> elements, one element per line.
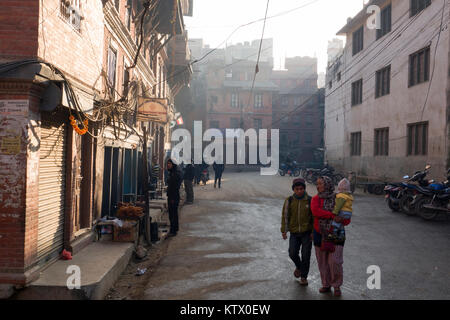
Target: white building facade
<point>387,93</point>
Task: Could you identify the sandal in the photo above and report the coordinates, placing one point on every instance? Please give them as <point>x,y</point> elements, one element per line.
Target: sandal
<point>324,290</point>
<point>337,292</point>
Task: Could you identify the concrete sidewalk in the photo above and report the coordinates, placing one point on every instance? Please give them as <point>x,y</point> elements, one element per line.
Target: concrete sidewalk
<point>100,263</point>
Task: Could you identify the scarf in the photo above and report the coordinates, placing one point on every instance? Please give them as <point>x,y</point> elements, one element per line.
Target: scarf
<point>330,200</point>
<point>328,194</point>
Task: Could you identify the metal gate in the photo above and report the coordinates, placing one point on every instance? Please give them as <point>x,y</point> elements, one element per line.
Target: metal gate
<point>52,171</point>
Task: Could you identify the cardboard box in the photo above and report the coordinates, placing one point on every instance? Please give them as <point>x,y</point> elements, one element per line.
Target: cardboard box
<point>127,233</point>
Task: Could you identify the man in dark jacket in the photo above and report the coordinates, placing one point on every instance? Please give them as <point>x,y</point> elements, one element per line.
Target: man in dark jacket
<point>297,219</point>
<point>173,195</point>
<point>189,174</point>
<point>218,170</point>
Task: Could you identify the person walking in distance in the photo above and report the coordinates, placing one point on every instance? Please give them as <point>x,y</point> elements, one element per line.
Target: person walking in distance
<point>189,175</point>
<point>218,171</point>
<point>297,219</point>
<point>173,196</point>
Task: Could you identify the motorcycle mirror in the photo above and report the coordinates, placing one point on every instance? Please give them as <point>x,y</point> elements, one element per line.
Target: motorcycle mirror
<point>428,167</point>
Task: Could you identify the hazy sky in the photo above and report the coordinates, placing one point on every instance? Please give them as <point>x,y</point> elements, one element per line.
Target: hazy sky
<point>303,32</point>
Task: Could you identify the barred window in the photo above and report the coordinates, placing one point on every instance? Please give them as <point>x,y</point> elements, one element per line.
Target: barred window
<point>418,139</point>
<point>358,40</point>
<point>70,11</point>
<point>234,100</point>
<point>381,142</point>
<point>383,82</point>
<point>418,5</point>
<point>386,22</point>
<point>419,67</point>
<point>355,144</point>
<point>258,100</point>
<point>357,91</point>
<point>257,123</point>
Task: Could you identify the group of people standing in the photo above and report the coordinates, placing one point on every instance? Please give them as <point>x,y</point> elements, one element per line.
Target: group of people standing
<point>190,175</point>
<point>318,221</point>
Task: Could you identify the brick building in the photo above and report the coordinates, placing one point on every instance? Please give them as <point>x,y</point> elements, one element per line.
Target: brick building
<point>81,58</point>
<point>298,110</point>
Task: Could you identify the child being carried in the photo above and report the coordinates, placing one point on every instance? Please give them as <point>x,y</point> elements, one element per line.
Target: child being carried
<point>343,208</point>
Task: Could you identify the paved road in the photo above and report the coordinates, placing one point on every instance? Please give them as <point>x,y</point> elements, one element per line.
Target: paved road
<point>230,247</point>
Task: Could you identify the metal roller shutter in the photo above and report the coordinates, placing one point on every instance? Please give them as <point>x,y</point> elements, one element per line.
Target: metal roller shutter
<point>52,178</point>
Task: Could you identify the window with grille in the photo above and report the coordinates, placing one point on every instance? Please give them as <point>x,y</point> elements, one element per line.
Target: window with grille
<point>358,40</point>
<point>418,139</point>
<point>258,100</point>
<point>70,11</point>
<point>418,5</point>
<point>214,125</point>
<point>357,90</point>
<point>419,67</point>
<point>234,123</point>
<point>234,100</point>
<point>383,82</point>
<point>355,144</point>
<point>257,124</point>
<point>381,142</point>
<point>386,22</point>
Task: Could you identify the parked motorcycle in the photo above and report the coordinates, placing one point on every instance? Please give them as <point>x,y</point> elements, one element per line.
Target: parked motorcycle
<point>313,174</point>
<point>410,190</point>
<point>292,169</point>
<point>433,200</point>
<point>393,195</point>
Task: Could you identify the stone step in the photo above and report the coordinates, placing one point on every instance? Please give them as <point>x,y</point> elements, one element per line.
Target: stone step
<point>100,264</point>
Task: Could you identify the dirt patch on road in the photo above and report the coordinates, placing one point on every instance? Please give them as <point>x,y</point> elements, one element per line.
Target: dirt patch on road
<point>130,286</point>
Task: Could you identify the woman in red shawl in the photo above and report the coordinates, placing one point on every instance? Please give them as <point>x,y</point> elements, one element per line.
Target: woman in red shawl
<point>330,263</point>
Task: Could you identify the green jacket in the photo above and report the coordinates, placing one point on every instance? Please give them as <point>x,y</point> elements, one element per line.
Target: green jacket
<point>296,216</point>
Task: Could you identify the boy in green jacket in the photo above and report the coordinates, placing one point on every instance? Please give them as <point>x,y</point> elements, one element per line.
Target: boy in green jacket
<point>297,219</point>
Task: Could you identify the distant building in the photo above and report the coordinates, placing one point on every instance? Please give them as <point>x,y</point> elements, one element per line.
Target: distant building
<point>296,110</point>
<point>335,48</point>
<point>387,95</point>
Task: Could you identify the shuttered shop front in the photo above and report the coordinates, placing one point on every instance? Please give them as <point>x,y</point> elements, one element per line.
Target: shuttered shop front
<point>52,172</point>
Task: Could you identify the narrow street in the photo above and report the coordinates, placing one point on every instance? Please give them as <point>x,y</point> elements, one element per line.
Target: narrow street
<point>230,247</point>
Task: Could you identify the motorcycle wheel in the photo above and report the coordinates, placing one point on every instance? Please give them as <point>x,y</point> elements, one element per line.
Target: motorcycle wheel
<point>426,214</point>
<point>405,205</point>
<point>282,173</point>
<point>296,173</point>
<point>303,173</point>
<point>394,207</point>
